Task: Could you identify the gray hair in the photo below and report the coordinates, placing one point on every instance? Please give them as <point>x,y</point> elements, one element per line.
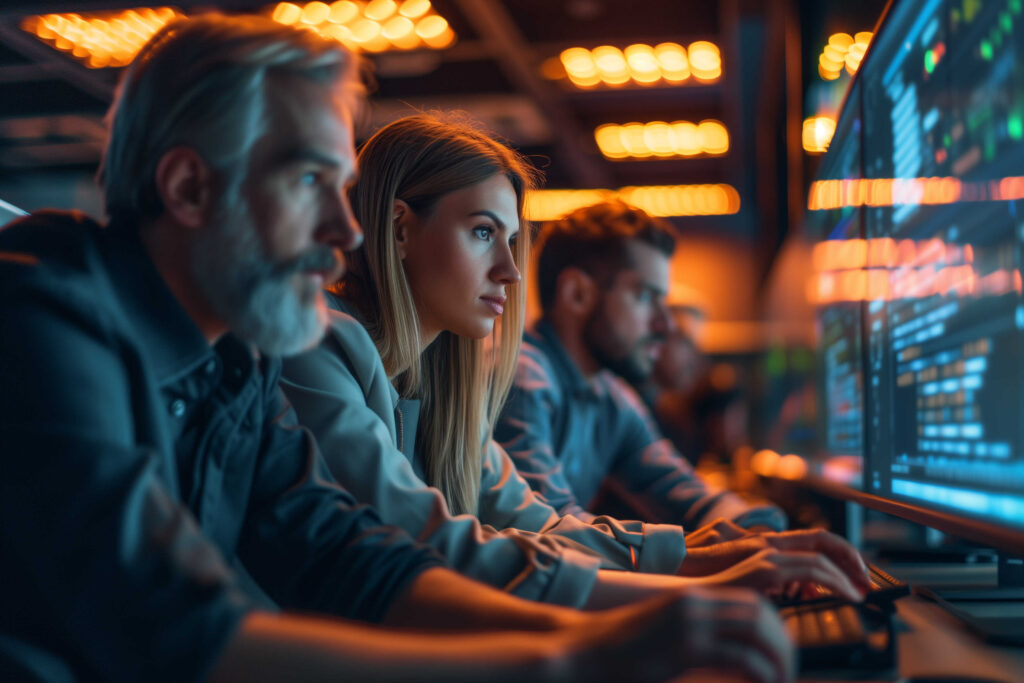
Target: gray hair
<point>201,83</point>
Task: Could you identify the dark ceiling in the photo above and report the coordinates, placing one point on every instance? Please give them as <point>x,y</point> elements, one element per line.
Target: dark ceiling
<point>51,106</point>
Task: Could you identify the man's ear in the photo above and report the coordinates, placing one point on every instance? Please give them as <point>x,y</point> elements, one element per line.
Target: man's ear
<point>576,292</point>
<point>184,183</point>
<point>402,219</point>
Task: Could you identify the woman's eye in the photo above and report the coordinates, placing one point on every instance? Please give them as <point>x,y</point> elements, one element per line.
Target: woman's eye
<point>483,232</point>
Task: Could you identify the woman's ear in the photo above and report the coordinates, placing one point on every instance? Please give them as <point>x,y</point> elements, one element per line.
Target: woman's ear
<point>185,185</point>
<point>401,222</point>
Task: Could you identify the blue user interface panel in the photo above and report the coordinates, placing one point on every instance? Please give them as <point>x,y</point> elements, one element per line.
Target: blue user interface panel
<point>942,197</point>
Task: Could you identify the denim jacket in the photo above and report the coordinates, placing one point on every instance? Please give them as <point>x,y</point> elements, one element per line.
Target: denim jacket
<point>570,436</point>
<point>516,541</point>
<point>140,464</point>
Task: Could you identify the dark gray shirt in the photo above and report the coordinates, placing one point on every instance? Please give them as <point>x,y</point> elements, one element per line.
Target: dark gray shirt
<point>569,436</point>
<point>138,462</point>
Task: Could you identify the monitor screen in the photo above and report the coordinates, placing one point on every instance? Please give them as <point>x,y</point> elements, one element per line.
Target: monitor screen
<point>836,232</point>
<point>942,199</point>
<point>941,92</point>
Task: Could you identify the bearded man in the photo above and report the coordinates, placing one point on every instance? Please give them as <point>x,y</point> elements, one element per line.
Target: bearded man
<point>572,424</point>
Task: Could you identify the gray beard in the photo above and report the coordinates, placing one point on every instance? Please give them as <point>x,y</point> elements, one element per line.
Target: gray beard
<point>257,298</point>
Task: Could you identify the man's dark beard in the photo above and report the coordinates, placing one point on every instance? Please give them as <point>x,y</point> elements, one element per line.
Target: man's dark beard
<point>624,364</point>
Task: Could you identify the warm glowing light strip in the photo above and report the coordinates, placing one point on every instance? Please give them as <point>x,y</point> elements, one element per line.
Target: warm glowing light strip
<point>661,139</point>
<point>884,269</point>
<point>817,133</point>
<point>834,194</point>
<point>842,50</point>
<point>375,26</point>
<point>963,281</point>
<point>642,64</point>
<point>657,200</point>
<point>102,39</point>
<point>886,252</point>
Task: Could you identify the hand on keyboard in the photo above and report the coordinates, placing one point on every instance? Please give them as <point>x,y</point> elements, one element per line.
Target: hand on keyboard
<point>885,589</point>
<point>772,562</point>
<point>771,571</point>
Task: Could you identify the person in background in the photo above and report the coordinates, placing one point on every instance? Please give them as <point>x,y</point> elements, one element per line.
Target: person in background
<point>571,423</point>
<point>669,392</point>
<point>402,393</point>
<point>147,447</point>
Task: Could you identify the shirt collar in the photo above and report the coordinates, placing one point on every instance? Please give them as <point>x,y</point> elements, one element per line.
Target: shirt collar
<point>569,374</point>
<point>339,303</point>
<point>171,340</point>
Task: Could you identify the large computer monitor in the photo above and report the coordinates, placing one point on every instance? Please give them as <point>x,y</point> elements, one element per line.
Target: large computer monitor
<point>936,113</point>
<point>836,231</point>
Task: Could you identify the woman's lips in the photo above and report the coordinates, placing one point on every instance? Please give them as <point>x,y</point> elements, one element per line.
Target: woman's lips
<point>495,303</point>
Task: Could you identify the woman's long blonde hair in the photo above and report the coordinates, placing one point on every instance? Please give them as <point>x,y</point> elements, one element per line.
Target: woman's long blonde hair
<point>461,382</point>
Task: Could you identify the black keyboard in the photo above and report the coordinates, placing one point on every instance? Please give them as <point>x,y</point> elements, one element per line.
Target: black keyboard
<point>885,589</point>
<point>841,637</point>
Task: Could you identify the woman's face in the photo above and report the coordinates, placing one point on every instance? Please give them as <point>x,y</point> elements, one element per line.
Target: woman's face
<point>458,260</point>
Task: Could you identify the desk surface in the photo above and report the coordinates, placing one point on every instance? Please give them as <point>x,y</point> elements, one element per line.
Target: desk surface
<point>934,645</point>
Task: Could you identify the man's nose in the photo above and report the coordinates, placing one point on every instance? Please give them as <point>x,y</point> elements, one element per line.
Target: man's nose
<point>661,321</point>
<point>340,228</point>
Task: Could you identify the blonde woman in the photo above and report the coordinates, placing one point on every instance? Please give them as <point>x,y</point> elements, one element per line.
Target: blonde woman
<point>403,393</point>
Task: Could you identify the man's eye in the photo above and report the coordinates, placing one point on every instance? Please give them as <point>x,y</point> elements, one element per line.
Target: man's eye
<point>483,232</point>
<point>309,178</point>
<point>644,296</point>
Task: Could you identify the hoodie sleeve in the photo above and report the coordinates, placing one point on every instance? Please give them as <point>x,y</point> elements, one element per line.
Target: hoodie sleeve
<point>340,392</point>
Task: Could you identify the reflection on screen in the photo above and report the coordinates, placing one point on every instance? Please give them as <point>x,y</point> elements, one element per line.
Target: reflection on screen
<point>943,102</point>
<point>934,282</point>
<point>840,365</point>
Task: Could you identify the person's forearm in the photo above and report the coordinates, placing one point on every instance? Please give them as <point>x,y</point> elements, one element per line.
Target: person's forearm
<point>614,588</point>
<point>440,599</point>
<point>271,647</point>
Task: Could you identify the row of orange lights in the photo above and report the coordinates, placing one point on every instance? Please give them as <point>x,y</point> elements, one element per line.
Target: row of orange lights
<point>886,252</point>
<point>884,269</point>
<point>642,64</point>
<point>843,50</point>
<point>661,139</point>
<point>910,283</point>
<point>817,133</point>
<point>657,200</point>
<point>101,40</point>
<point>834,194</point>
<point>373,26</point>
<point>769,463</point>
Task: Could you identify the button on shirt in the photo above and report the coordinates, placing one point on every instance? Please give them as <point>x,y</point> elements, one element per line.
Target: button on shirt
<point>569,436</point>
<point>138,462</point>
